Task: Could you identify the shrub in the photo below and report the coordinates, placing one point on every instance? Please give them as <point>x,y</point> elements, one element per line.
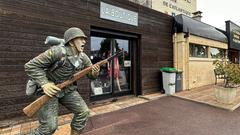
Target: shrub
<point>231,72</point>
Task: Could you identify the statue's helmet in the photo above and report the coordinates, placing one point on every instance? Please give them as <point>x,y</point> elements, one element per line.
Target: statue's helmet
<point>72,33</point>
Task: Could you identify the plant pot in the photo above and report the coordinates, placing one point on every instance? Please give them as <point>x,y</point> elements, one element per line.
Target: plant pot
<point>225,95</point>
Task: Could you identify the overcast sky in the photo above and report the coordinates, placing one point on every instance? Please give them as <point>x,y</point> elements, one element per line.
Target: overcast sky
<point>216,12</point>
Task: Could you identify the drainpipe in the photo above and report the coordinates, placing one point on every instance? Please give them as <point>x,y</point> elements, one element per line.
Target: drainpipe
<point>175,52</point>
<point>187,60</point>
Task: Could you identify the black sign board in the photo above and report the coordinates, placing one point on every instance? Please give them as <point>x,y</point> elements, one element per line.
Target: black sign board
<point>233,32</point>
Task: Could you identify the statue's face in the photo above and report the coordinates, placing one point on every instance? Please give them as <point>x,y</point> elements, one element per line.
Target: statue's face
<point>79,43</point>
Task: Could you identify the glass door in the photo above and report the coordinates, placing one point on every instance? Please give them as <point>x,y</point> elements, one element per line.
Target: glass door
<point>120,66</point>
<point>114,77</point>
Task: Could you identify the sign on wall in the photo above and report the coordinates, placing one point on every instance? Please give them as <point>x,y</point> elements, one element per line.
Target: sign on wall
<point>233,32</point>
<point>118,14</point>
<point>175,7</point>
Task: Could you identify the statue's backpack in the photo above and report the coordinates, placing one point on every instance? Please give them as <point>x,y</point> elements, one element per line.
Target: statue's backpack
<point>31,86</point>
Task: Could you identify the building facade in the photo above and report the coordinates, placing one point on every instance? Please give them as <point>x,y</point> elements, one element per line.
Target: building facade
<point>146,3</point>
<point>175,7</point>
<point>144,35</point>
<point>233,34</point>
<point>195,49</point>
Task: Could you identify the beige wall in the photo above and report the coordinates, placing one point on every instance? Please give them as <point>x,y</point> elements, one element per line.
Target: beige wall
<point>196,71</point>
<point>200,72</point>
<point>186,7</point>
<point>146,3</point>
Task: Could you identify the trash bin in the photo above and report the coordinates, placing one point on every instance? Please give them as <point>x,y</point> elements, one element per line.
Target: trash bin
<point>169,79</point>
<point>178,86</point>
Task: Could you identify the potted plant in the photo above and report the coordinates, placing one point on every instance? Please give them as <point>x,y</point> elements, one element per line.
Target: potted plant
<point>226,92</point>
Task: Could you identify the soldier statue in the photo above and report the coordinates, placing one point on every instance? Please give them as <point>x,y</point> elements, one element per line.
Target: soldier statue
<point>40,70</point>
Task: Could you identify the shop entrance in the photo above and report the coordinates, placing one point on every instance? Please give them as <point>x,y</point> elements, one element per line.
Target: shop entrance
<point>115,77</point>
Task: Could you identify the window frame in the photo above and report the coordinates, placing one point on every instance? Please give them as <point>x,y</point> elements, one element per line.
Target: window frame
<point>191,54</point>
<point>224,52</point>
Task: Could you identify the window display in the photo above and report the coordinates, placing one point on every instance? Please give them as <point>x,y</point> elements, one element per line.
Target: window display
<point>114,77</point>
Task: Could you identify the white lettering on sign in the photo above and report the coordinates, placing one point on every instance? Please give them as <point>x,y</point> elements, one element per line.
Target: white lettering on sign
<point>236,36</point>
<point>118,14</point>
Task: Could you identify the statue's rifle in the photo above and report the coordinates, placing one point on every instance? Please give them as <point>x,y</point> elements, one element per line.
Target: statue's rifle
<point>32,108</point>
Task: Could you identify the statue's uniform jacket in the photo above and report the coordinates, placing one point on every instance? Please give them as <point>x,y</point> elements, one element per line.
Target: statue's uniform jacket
<point>38,70</point>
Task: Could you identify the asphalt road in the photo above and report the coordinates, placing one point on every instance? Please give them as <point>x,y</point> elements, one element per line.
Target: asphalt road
<point>166,116</point>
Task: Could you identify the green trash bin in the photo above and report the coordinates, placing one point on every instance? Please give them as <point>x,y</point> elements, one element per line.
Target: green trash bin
<point>178,81</point>
<point>169,79</point>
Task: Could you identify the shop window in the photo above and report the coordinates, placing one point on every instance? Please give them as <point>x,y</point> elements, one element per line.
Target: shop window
<point>114,77</point>
<point>199,51</point>
<point>217,53</point>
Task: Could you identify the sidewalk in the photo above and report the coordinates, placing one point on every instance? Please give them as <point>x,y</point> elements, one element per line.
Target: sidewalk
<point>165,116</point>
<point>203,95</point>
<point>64,120</point>
<point>206,95</point>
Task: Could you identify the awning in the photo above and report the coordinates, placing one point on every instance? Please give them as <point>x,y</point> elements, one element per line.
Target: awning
<point>186,24</point>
